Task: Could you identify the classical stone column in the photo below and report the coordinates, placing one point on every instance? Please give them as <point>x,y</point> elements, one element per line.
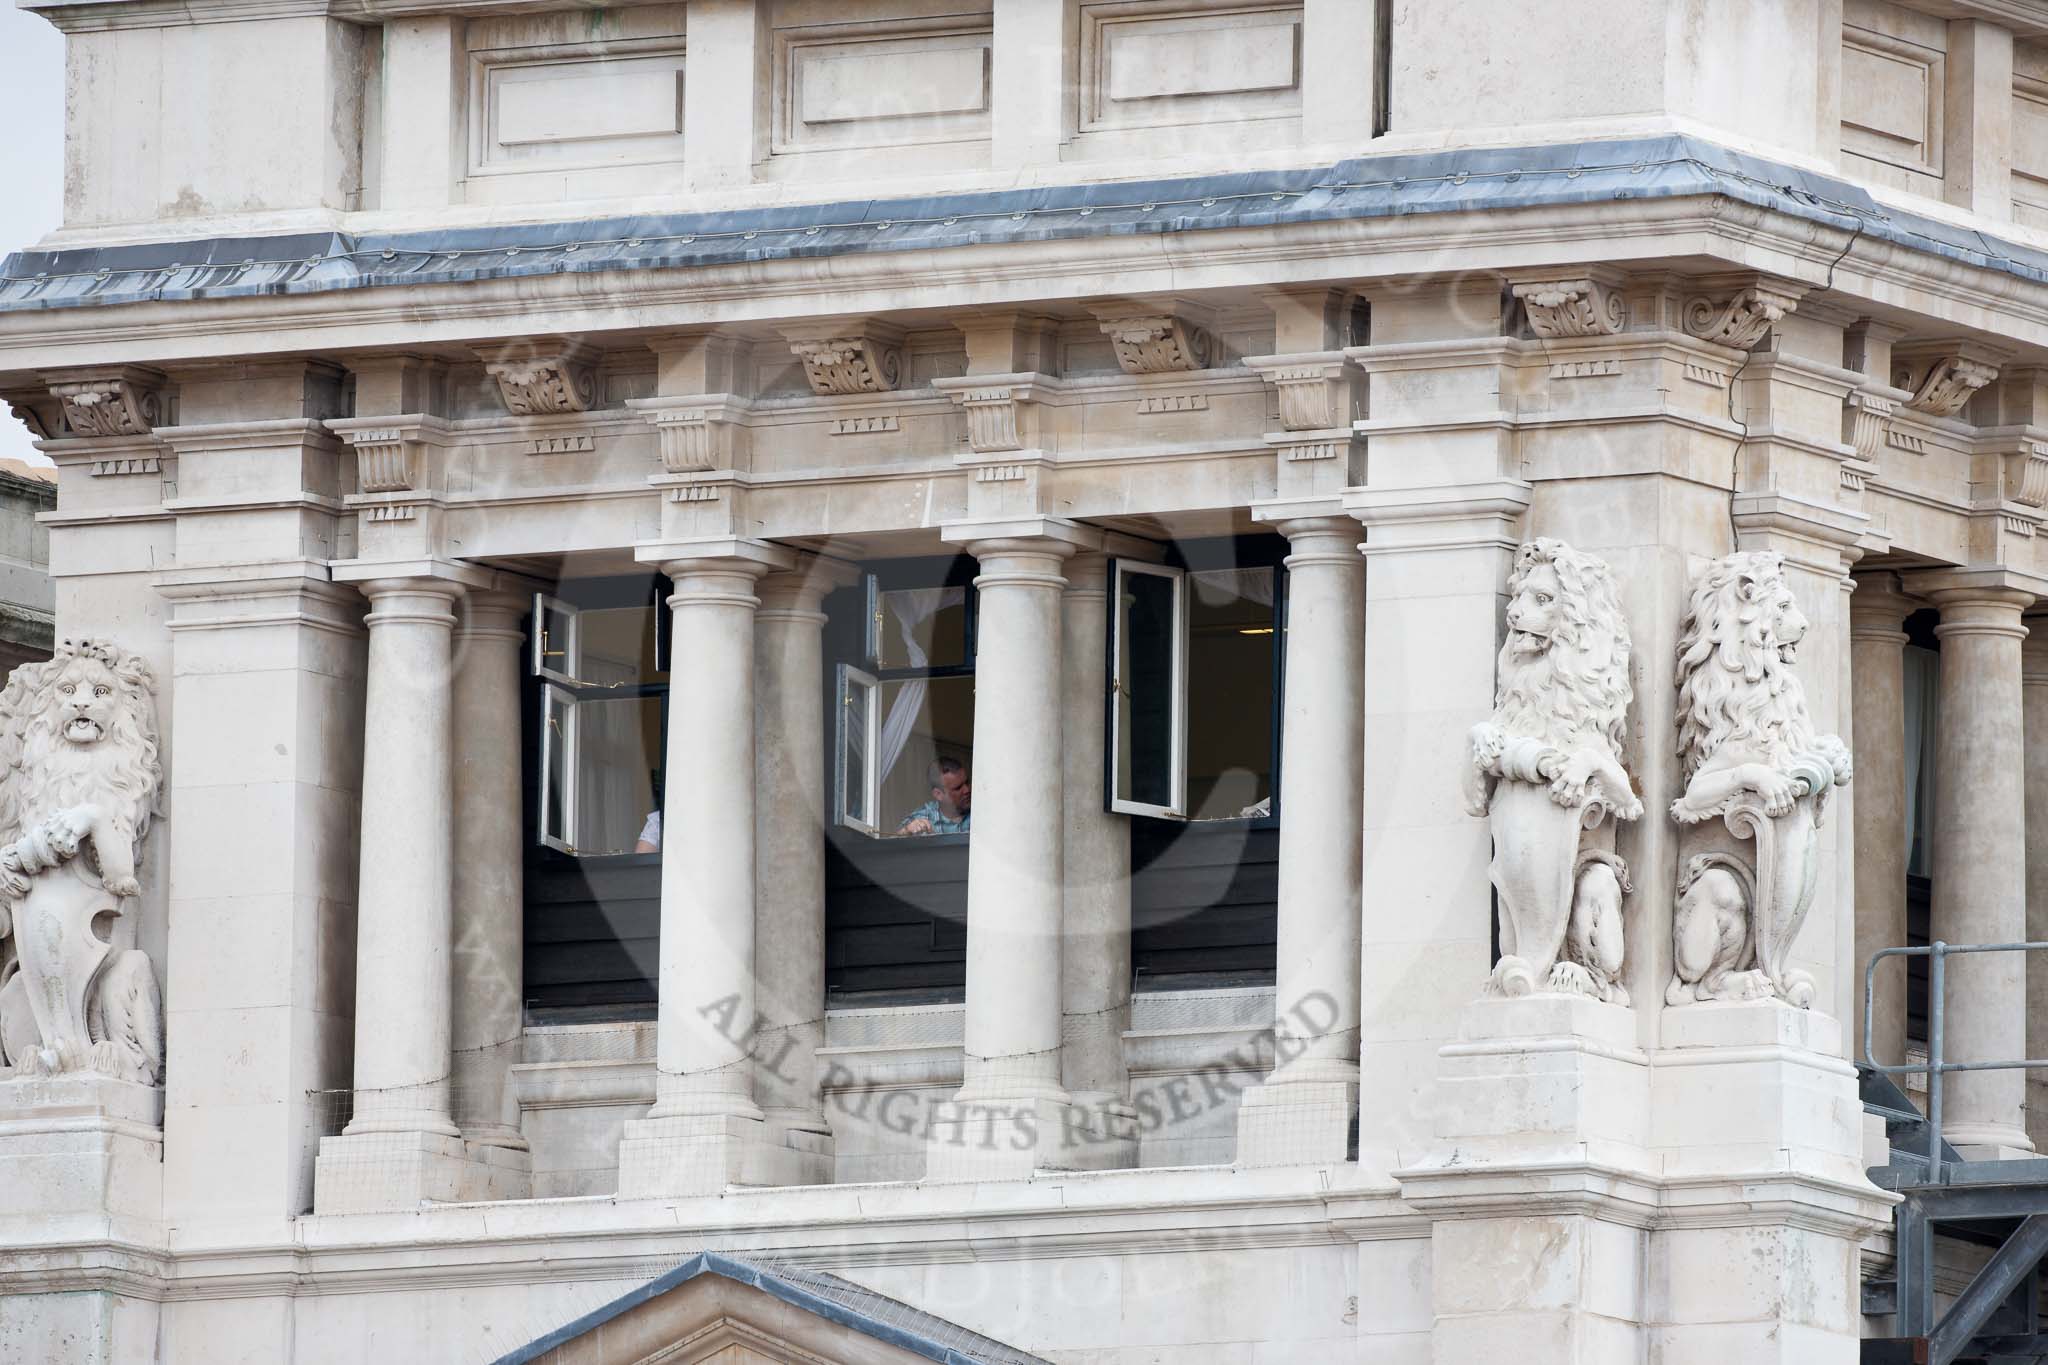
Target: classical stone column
<point>1008,1114</point>
<point>1095,977</point>
<point>488,880</point>
<point>1877,612</point>
<point>1303,1111</point>
<point>789,857</point>
<point>2034,689</point>
<point>401,1145</point>
<point>1980,858</point>
<point>705,1130</point>
<point>404,920</point>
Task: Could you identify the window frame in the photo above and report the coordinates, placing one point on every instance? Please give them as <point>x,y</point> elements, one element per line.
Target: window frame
<point>949,571</point>
<point>560,692</point>
<point>1177,701</point>
<point>1195,556</point>
<point>850,677</point>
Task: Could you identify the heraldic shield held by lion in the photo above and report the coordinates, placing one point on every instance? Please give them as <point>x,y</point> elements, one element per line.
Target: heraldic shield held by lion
<point>79,779</point>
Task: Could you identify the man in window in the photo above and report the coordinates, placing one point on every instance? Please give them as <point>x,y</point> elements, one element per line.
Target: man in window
<point>948,810</point>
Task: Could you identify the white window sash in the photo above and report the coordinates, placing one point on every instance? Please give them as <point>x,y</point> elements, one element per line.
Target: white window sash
<point>1177,782</point>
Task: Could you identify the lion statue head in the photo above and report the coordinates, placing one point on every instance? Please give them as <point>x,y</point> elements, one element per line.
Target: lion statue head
<point>1736,646</point>
<point>1563,670</point>
<point>78,729</point>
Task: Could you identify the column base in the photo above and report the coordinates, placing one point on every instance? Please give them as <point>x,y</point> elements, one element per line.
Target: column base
<point>1295,1123</point>
<point>1012,1139</point>
<point>383,1172</point>
<point>680,1157</point>
<point>81,1144</point>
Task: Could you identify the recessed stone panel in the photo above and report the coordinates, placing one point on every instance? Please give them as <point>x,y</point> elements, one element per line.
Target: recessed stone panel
<point>1145,65</point>
<point>552,107</point>
<point>873,85</point>
<point>1893,72</point>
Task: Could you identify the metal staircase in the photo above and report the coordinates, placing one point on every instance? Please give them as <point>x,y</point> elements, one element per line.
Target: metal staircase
<point>2002,1205</point>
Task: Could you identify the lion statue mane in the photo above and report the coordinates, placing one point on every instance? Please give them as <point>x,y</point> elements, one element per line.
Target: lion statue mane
<point>1546,767</point>
<point>79,785</point>
<point>1749,754</point>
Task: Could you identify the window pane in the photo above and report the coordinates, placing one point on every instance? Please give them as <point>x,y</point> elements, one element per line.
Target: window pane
<point>923,755</point>
<point>1147,691</point>
<point>1231,652</point>
<point>554,638</point>
<point>615,646</point>
<point>921,628</point>
<point>556,741</point>
<point>603,770</point>
<point>856,701</point>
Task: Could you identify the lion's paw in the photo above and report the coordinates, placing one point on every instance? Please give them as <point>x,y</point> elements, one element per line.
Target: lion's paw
<point>1798,990</point>
<point>1569,978</point>
<point>1750,985</point>
<point>1511,977</point>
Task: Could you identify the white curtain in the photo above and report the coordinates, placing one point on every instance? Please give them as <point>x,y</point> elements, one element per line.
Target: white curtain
<point>913,607</point>
<point>1923,709</point>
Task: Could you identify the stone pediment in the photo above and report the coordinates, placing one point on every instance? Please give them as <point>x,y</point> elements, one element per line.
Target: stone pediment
<point>715,1308</point>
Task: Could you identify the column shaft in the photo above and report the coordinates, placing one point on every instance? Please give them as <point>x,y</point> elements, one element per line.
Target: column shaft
<point>1303,1111</point>
<point>1876,642</point>
<point>2034,686</point>
<point>404,913</point>
<point>789,853</point>
<point>1980,860</point>
<point>489,864</point>
<point>707,871</point>
<point>1014,875</point>
<point>1322,789</point>
<point>1096,975</point>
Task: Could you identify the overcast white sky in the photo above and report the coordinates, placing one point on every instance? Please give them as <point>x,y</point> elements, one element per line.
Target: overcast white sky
<point>31,154</point>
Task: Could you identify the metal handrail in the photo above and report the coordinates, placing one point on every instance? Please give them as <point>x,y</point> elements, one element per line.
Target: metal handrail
<point>1935,1067</point>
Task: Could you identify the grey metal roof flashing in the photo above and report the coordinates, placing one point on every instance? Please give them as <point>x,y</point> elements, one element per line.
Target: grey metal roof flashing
<point>841,1301</point>
<point>1365,187</point>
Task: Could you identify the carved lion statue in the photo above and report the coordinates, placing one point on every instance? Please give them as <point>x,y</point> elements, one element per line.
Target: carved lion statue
<point>1546,767</point>
<point>79,782</point>
<point>1749,754</point>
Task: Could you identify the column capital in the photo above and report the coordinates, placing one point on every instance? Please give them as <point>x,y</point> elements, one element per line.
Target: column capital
<point>797,592</point>
<point>1986,608</point>
<point>1879,607</point>
<point>2034,652</point>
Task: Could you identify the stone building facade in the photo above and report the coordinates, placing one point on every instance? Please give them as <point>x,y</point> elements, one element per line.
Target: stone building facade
<point>483,427</point>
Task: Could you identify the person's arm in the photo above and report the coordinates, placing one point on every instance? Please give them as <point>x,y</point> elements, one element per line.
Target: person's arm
<point>650,835</point>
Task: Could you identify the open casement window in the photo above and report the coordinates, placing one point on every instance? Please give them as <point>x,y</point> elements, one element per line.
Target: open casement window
<point>859,775</point>
<point>907,703</point>
<point>1147,704</point>
<point>1192,715</point>
<point>603,717</point>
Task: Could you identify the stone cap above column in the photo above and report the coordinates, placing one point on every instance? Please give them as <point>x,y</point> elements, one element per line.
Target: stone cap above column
<point>713,553</point>
<point>1962,583</point>
<point>1440,516</point>
<point>1054,534</point>
<point>454,572</point>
